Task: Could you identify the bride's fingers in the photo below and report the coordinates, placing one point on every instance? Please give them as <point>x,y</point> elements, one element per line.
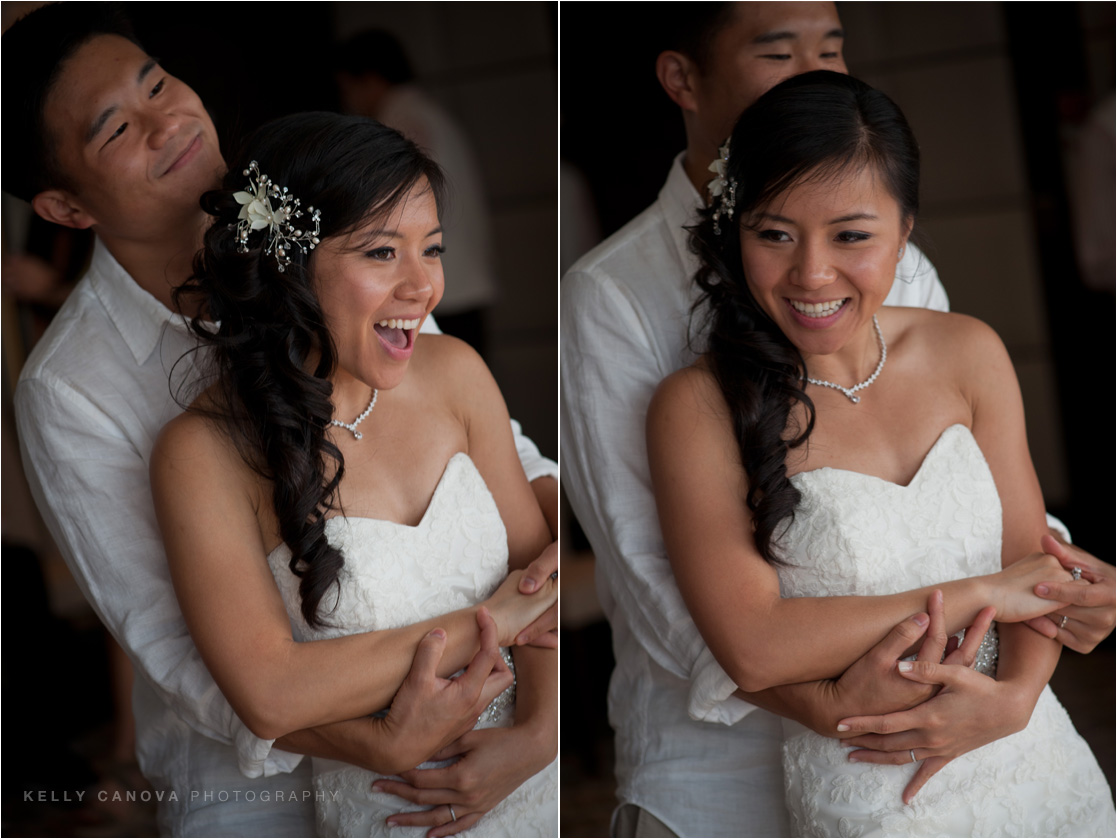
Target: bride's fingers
<point>935,641</point>
<point>882,724</point>
<point>922,775</point>
<point>460,826</point>
<point>966,654</point>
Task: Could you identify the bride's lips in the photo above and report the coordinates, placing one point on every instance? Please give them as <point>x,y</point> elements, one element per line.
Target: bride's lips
<point>817,322</point>
<point>186,155</point>
<point>385,334</point>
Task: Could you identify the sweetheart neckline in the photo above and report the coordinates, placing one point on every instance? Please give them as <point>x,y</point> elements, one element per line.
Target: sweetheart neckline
<point>454,458</point>
<point>919,471</point>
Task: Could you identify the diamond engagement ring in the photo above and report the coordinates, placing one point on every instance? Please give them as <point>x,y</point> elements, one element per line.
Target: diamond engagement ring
<point>1076,572</point>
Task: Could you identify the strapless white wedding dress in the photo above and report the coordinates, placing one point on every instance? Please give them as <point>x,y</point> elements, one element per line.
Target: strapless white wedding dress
<point>855,534</point>
<point>396,575</point>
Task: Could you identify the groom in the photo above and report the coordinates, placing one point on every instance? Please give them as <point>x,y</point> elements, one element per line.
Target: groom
<point>692,757</point>
<point>108,140</point>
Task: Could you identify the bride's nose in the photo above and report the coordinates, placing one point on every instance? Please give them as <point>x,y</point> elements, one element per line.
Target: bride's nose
<point>416,282</point>
<point>812,267</point>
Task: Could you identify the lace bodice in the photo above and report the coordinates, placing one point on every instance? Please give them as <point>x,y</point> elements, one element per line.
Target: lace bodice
<point>855,534</point>
<point>396,575</point>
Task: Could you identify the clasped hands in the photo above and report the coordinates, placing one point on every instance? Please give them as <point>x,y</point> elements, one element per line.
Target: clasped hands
<point>433,719</point>
<point>933,710</point>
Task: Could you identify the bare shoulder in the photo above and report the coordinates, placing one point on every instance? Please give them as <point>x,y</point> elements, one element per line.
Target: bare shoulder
<point>447,359</point>
<point>963,342</point>
<point>196,444</point>
<point>687,402</point>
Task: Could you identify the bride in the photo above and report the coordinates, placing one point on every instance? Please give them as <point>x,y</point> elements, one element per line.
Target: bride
<point>345,484</point>
<point>829,466</point>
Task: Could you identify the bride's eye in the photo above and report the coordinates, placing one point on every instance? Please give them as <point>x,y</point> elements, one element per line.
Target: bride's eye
<point>851,236</point>
<point>773,235</point>
<point>382,254</point>
<point>435,251</point>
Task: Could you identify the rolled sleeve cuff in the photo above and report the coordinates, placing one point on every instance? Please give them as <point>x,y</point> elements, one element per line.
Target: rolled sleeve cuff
<point>260,759</point>
<point>712,696</point>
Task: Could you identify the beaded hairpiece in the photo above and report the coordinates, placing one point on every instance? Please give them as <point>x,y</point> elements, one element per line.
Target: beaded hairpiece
<point>723,189</point>
<point>256,213</point>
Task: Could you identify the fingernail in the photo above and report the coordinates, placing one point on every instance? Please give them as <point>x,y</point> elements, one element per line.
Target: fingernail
<point>843,727</point>
<point>437,633</point>
<point>852,759</point>
<point>904,666</point>
<point>530,583</point>
<point>521,638</point>
<point>1042,589</point>
<point>921,619</point>
<point>378,786</point>
<point>391,822</point>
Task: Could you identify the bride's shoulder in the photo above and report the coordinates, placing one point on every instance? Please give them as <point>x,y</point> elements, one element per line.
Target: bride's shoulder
<point>199,440</point>
<point>943,331</point>
<point>688,398</point>
<point>448,364</point>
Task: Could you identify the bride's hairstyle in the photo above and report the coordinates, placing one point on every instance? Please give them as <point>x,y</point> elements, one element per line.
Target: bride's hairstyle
<point>811,127</point>
<point>270,349</point>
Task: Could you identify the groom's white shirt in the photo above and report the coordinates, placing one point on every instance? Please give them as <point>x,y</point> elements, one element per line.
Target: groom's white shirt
<point>687,751</point>
<point>90,403</point>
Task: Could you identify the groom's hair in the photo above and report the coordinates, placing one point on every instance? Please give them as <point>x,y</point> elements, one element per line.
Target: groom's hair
<point>36,48</point>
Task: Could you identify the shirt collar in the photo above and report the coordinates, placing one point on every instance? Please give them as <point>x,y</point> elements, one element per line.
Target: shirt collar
<point>680,202</point>
<point>137,315</point>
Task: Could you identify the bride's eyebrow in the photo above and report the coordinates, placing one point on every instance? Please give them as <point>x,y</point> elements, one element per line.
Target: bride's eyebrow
<point>854,217</point>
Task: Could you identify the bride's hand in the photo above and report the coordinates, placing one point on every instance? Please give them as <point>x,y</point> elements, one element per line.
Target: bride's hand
<point>1013,587</point>
<point>514,612</point>
<point>492,763</point>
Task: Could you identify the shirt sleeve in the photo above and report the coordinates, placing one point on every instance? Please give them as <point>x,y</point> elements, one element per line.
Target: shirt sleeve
<point>917,283</point>
<point>91,485</point>
<point>609,373</point>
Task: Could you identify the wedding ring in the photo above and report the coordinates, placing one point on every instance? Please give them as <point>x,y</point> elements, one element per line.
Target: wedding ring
<point>1063,622</point>
<point>1076,572</point>
<point>912,752</point>
<point>453,815</point>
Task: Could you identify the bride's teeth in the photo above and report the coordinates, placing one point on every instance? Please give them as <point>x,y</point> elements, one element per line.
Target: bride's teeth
<point>399,323</point>
<point>818,309</point>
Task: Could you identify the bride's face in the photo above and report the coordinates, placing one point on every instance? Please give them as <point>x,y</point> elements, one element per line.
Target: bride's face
<point>821,257</point>
<point>378,284</point>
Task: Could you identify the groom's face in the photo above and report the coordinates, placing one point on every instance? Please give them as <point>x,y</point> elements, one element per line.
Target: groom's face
<point>134,143</point>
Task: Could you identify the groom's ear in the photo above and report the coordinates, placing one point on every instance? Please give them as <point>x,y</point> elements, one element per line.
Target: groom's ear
<point>60,207</point>
<point>677,73</point>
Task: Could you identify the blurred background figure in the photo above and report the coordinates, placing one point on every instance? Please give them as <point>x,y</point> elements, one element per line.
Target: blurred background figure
<point>375,79</point>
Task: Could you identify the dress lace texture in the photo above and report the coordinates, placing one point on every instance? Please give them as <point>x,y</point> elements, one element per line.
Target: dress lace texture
<point>396,575</point>
<point>855,534</point>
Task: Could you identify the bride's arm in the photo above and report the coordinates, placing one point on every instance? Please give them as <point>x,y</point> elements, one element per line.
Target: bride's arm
<point>759,638</point>
<point>493,762</point>
<point>206,506</point>
<point>980,709</point>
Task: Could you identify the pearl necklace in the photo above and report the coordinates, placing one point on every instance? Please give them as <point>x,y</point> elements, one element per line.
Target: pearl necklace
<point>849,391</point>
<point>352,426</point>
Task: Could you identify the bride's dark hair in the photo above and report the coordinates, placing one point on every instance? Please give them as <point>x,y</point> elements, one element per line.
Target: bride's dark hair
<point>264,327</point>
<point>811,127</point>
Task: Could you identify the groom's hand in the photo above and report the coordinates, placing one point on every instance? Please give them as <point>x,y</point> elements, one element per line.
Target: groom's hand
<point>544,631</point>
<point>428,713</point>
<point>491,764</point>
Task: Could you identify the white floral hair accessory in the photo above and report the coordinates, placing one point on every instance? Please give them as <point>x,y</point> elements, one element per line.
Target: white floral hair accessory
<point>723,189</point>
<point>256,213</point>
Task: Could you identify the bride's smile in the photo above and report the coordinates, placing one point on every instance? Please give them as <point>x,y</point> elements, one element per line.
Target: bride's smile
<point>820,260</point>
<point>377,285</point>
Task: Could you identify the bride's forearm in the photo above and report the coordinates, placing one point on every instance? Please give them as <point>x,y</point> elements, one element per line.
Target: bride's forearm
<point>288,686</point>
<point>1026,660</point>
<point>781,644</point>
